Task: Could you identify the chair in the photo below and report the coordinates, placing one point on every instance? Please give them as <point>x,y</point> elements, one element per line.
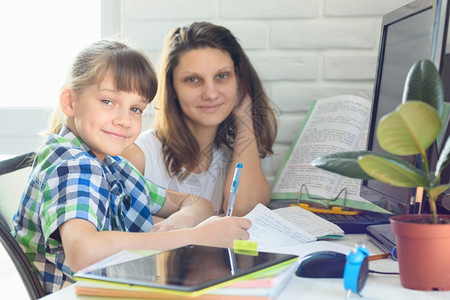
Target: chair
<point>13,175</point>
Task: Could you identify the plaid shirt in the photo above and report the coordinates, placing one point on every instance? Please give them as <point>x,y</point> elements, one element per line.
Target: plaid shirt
<point>68,181</point>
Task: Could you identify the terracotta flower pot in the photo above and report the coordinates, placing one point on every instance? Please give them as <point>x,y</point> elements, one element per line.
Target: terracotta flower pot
<point>423,252</point>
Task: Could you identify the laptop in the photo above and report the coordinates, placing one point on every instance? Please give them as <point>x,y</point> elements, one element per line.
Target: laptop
<point>382,236</point>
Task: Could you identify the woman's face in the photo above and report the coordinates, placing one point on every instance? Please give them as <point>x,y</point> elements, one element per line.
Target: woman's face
<point>206,86</point>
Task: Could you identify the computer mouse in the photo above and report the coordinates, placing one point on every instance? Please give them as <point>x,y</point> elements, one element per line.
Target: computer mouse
<point>322,264</point>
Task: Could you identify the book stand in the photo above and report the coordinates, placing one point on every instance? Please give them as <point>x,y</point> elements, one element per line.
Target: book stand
<point>329,208</point>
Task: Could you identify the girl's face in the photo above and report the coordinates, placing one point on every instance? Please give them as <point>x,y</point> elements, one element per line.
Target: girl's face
<point>107,120</point>
<point>206,86</point>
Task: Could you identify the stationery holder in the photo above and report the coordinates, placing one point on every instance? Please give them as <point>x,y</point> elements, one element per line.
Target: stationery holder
<point>329,207</point>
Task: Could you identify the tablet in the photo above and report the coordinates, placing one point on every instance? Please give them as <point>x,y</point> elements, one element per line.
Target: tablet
<point>188,269</point>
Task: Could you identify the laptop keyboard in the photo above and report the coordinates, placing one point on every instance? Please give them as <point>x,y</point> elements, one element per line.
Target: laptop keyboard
<point>356,223</point>
<point>348,223</point>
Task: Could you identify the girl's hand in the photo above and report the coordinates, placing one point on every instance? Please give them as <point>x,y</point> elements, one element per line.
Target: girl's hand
<point>222,231</point>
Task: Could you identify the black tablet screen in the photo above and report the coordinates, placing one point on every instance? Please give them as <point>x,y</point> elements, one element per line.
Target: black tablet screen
<point>188,268</point>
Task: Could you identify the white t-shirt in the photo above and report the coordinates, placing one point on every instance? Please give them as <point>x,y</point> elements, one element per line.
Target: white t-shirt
<point>209,184</point>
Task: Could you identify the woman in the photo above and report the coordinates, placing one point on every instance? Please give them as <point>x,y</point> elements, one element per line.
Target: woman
<point>211,113</point>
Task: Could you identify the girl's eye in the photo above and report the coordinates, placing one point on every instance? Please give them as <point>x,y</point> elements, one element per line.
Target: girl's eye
<point>136,110</point>
<point>107,102</point>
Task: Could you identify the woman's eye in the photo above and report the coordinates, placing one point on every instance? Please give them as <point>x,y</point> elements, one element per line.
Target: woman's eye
<point>107,102</point>
<point>136,110</point>
<point>192,79</point>
<point>222,76</point>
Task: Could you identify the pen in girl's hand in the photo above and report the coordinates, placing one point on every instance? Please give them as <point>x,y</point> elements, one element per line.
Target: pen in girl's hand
<point>234,188</point>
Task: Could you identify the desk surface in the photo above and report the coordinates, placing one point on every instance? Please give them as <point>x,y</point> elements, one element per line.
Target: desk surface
<point>377,286</point>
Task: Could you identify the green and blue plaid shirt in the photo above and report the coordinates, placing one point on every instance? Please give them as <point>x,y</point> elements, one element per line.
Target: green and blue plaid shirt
<point>67,182</point>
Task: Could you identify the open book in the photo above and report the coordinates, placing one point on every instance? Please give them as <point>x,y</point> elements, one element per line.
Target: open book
<point>332,125</point>
<point>288,226</point>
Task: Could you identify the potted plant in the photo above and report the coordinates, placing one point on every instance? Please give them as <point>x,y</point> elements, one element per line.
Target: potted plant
<point>423,241</point>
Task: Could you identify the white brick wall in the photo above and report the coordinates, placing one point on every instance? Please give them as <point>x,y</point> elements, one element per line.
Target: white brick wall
<point>302,49</point>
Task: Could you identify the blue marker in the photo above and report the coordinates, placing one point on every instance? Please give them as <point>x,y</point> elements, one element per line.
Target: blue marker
<point>234,189</point>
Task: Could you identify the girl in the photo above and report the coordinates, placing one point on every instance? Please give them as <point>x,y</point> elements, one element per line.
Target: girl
<point>212,112</point>
<point>82,202</point>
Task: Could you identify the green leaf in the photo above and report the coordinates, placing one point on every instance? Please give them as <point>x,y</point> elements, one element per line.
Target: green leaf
<point>343,163</point>
<point>393,170</point>
<point>410,129</point>
<point>444,158</point>
<point>424,83</point>
<point>436,191</point>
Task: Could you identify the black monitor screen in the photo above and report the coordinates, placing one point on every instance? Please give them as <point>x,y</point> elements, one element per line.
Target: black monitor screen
<point>406,42</point>
<point>406,38</point>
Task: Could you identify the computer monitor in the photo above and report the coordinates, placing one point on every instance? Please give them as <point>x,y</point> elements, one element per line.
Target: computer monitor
<point>413,32</point>
<point>443,203</point>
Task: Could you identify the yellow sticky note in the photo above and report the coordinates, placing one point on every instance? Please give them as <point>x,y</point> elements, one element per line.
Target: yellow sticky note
<point>245,247</point>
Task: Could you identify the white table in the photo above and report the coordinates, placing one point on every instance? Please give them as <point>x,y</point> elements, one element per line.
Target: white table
<point>376,287</point>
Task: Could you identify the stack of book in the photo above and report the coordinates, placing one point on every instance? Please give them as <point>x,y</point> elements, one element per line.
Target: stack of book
<point>134,274</point>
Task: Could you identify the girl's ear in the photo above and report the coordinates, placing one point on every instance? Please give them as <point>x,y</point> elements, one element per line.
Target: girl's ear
<point>66,102</point>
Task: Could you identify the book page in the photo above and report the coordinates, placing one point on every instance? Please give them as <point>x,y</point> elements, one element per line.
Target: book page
<point>353,186</point>
<point>310,222</point>
<point>271,230</point>
<point>332,125</point>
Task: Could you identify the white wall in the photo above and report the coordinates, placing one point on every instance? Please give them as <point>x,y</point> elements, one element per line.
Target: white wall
<point>302,49</point>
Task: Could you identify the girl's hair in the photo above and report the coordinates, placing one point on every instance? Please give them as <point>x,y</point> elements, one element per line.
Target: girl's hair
<point>179,146</point>
<point>132,71</point>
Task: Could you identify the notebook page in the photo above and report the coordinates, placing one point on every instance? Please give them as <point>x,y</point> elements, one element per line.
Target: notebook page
<point>271,230</point>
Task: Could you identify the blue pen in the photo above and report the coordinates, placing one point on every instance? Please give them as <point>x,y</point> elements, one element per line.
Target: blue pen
<point>234,188</point>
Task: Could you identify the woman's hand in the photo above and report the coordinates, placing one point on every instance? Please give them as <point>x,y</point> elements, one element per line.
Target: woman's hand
<point>254,187</point>
<point>180,221</point>
<point>243,108</point>
<point>181,211</point>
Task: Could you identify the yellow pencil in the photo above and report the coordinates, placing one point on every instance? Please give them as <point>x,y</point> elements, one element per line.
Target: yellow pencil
<point>378,256</point>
